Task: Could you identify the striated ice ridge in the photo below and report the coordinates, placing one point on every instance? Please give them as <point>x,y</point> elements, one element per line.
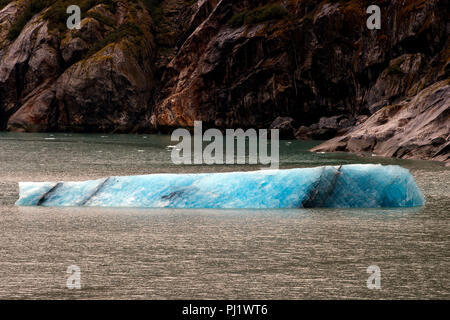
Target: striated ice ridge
<point>348,186</point>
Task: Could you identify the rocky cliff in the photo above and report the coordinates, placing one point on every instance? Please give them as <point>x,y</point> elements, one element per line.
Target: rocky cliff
<point>310,68</point>
<point>416,127</point>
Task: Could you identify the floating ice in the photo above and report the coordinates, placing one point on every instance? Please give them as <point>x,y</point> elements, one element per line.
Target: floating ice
<point>349,186</point>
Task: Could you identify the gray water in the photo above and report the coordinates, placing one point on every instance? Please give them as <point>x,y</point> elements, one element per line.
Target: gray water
<point>210,254</point>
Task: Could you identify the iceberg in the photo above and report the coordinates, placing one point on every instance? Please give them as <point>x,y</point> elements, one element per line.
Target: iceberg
<point>347,186</point>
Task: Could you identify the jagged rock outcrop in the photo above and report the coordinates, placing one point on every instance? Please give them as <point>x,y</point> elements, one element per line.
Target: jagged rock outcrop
<point>414,128</point>
<point>286,127</point>
<point>156,65</point>
<point>326,128</point>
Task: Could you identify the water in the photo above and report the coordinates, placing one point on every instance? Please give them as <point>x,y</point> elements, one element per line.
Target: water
<point>221,254</point>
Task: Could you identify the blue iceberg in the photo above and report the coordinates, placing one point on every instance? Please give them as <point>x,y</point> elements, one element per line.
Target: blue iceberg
<point>348,186</point>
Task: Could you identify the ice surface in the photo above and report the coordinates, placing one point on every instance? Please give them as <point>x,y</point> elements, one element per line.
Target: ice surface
<point>349,186</point>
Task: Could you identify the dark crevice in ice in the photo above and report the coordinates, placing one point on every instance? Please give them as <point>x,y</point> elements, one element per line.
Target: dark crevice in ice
<point>100,186</point>
<point>45,196</point>
<point>173,195</point>
<point>322,190</point>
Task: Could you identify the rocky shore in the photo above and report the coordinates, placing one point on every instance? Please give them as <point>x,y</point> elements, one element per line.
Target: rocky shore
<point>310,68</point>
<point>416,128</point>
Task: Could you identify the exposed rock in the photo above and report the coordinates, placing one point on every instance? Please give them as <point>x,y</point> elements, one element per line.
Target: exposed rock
<point>314,133</point>
<point>19,67</point>
<point>377,106</point>
<point>361,119</point>
<point>8,15</point>
<point>286,127</point>
<point>419,128</point>
<point>335,122</point>
<point>72,49</point>
<point>326,128</point>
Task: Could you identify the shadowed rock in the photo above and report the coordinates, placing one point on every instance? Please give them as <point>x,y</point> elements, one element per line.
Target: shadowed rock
<point>419,128</point>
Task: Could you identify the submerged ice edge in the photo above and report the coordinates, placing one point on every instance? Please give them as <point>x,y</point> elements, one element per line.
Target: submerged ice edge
<point>347,186</point>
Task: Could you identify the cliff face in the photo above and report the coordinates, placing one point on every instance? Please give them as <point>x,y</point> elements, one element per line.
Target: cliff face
<point>98,78</point>
<point>156,65</point>
<point>320,60</point>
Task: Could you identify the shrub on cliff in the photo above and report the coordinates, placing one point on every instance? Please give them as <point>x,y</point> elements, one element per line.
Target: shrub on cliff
<point>128,29</point>
<point>257,15</point>
<point>56,14</point>
<point>395,69</point>
<point>154,9</point>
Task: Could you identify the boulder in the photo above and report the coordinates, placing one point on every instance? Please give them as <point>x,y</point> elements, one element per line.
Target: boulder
<point>286,127</point>
<point>326,128</point>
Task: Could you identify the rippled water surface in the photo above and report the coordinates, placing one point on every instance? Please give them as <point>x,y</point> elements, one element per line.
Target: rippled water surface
<point>194,254</point>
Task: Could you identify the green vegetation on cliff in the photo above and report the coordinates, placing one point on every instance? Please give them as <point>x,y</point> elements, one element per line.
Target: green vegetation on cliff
<point>125,30</point>
<point>56,13</point>
<point>32,7</point>
<point>260,14</point>
<point>394,69</point>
